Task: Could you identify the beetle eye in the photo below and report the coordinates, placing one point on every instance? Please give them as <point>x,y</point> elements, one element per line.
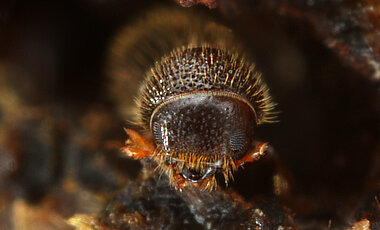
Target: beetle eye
<point>238,140</point>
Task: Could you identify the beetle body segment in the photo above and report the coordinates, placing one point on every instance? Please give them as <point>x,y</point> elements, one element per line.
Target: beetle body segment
<point>202,106</point>
<point>201,99</point>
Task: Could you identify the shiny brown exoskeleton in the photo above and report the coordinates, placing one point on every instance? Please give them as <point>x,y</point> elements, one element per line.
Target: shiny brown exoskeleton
<point>199,106</point>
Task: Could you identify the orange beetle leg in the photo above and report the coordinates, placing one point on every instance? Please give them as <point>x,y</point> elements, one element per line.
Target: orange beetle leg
<point>137,146</point>
<point>135,152</point>
<point>178,181</point>
<point>254,155</point>
<point>207,184</point>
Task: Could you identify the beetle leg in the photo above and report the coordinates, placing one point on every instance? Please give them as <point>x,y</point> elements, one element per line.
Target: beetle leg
<point>177,180</point>
<point>254,155</point>
<point>137,146</point>
<point>282,178</point>
<point>208,184</point>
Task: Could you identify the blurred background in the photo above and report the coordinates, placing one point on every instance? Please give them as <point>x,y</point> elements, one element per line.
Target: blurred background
<point>60,131</point>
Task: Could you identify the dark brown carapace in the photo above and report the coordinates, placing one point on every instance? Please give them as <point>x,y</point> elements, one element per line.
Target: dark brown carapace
<point>199,106</point>
<point>202,106</point>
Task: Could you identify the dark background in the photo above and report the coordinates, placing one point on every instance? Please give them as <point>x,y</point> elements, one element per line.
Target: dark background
<point>328,134</point>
